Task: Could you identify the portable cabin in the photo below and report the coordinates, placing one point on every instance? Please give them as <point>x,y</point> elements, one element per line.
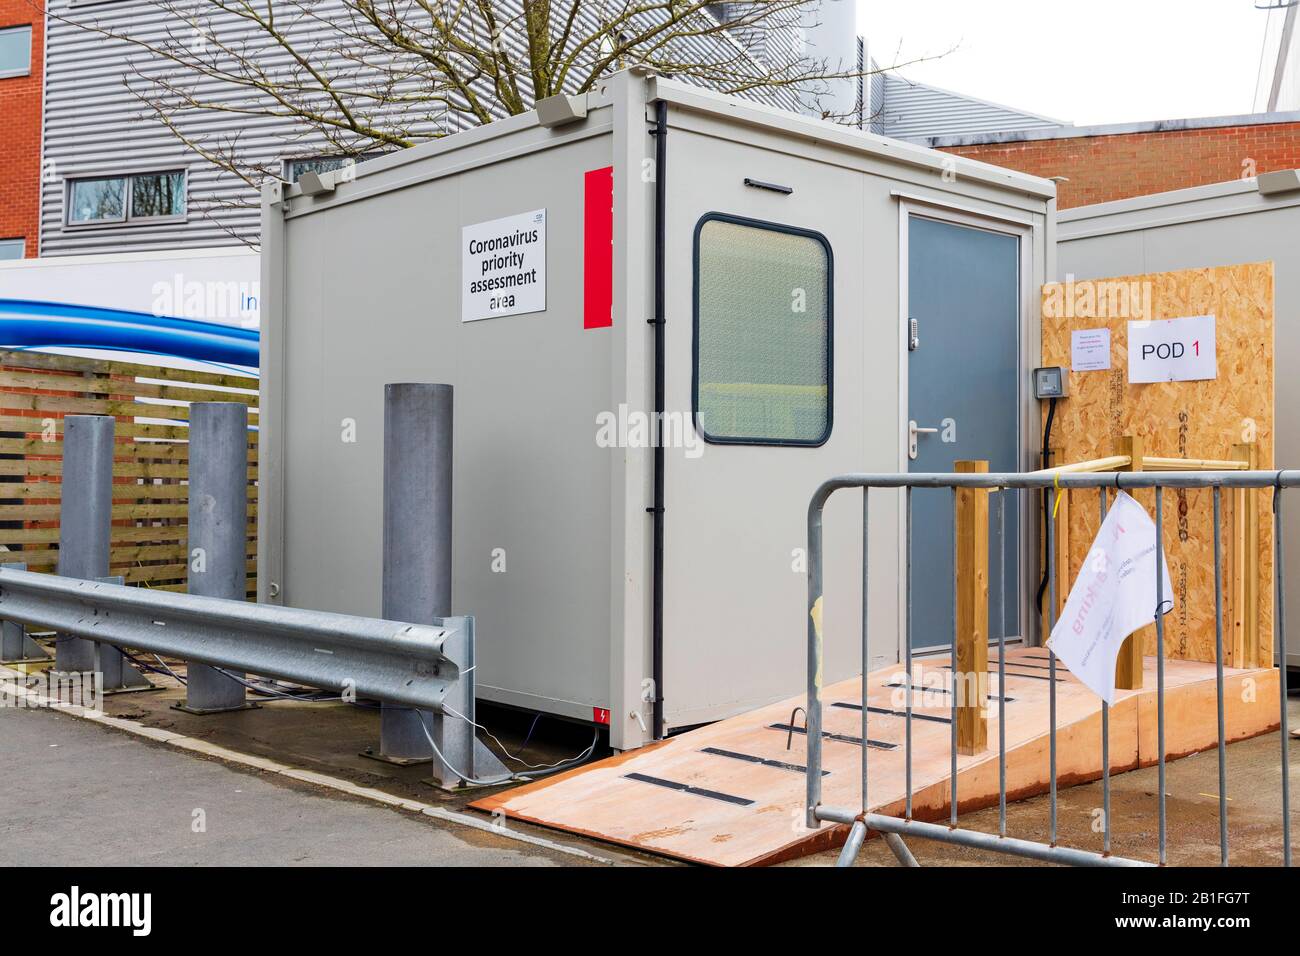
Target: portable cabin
<point>797,298</point>
<point>1243,221</point>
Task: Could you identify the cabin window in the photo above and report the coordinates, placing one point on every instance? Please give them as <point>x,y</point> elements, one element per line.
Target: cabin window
<point>762,333</point>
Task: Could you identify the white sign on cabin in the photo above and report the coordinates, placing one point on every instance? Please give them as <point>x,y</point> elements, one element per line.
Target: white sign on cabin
<point>503,267</point>
<point>1090,350</point>
<point>1172,350</point>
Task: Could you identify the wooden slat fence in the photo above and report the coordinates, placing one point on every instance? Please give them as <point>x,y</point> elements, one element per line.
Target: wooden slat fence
<point>150,465</point>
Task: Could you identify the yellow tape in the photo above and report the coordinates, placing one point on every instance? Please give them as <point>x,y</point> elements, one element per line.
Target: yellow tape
<point>816,615</point>
<point>1056,482</point>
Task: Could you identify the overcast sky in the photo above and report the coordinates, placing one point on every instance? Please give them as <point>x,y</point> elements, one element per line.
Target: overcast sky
<point>1086,61</point>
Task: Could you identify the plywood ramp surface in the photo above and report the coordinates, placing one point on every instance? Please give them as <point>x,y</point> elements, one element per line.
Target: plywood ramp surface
<point>732,793</point>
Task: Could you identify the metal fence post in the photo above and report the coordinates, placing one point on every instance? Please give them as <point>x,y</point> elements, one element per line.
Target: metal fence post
<point>15,646</point>
<point>85,520</point>
<point>417,584</point>
<point>1128,666</point>
<point>217,535</point>
<point>417,544</point>
<point>813,710</point>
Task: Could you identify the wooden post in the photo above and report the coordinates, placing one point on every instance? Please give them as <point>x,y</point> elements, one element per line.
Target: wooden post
<point>972,665</point>
<point>1128,666</point>
<point>1245,575</point>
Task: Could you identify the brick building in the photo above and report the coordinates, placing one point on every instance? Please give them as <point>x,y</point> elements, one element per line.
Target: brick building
<point>1104,163</point>
<point>22,34</point>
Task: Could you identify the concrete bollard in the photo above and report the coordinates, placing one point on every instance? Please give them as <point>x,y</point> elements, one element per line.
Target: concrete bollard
<point>218,531</point>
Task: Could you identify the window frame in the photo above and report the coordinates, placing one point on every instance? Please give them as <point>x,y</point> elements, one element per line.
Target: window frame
<point>79,223</point>
<point>22,247</point>
<point>27,70</point>
<point>770,226</point>
<point>287,163</point>
<point>128,218</point>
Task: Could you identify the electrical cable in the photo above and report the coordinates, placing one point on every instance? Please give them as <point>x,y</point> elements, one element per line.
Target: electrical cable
<point>512,776</point>
<point>164,669</point>
<point>1047,514</point>
<point>175,676</point>
<point>268,692</point>
<point>262,689</point>
<point>530,772</point>
<point>527,765</point>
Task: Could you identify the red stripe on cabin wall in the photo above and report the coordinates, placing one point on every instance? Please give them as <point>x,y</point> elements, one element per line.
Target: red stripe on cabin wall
<point>598,249</point>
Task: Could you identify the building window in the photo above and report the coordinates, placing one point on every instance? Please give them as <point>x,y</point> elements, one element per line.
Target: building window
<point>294,168</point>
<point>97,200</point>
<point>12,248</point>
<point>762,333</point>
<point>16,51</point>
<point>157,194</point>
<point>143,196</point>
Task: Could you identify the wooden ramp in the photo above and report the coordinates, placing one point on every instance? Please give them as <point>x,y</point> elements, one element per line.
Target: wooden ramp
<point>732,793</point>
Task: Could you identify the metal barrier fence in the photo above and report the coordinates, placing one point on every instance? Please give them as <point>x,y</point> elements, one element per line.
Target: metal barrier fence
<point>410,664</point>
<point>863,820</point>
<point>418,662</point>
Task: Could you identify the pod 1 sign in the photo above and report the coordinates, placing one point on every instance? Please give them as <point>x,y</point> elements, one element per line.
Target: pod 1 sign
<point>1172,350</point>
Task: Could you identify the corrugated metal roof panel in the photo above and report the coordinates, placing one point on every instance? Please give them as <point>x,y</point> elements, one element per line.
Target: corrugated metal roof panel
<point>915,110</point>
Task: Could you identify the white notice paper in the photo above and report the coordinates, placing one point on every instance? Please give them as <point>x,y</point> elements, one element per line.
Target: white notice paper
<point>1172,350</point>
<point>1113,596</point>
<point>1090,350</point>
<point>503,267</point>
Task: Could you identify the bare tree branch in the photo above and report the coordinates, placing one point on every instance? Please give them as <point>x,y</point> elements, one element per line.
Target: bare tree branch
<point>354,77</point>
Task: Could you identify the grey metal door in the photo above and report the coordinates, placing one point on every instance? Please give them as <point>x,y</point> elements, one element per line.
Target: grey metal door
<point>963,295</point>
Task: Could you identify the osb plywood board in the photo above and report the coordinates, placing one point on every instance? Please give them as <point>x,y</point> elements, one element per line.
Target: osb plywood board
<point>742,811</point>
<point>1201,419</point>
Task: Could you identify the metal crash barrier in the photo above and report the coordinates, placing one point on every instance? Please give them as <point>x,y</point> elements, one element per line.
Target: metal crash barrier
<point>862,820</point>
<point>409,664</point>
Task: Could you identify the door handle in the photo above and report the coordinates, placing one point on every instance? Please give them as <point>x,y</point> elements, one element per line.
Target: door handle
<point>912,432</point>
